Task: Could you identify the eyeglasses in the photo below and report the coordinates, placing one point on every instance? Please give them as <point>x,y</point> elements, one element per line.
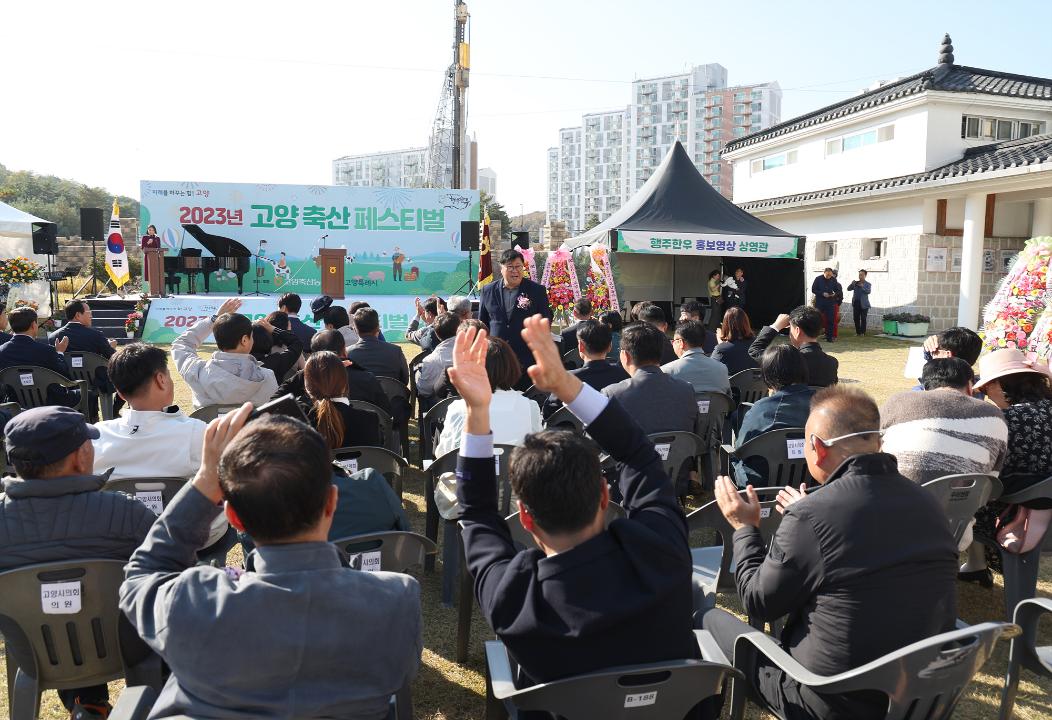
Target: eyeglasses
<point>833,441</point>
<point>514,268</point>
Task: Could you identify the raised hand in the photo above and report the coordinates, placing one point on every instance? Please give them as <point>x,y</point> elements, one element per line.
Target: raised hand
<point>789,495</point>
<point>232,305</point>
<point>781,323</point>
<point>547,371</point>
<point>266,326</point>
<point>468,373</point>
<point>739,511</point>
<point>219,433</point>
<point>62,343</point>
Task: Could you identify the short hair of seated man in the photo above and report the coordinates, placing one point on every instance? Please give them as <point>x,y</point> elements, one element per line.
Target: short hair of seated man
<point>595,337</point>
<point>950,372</point>
<point>276,477</point>
<point>641,345</point>
<point>846,416</point>
<point>446,325</point>
<point>562,492</point>
<point>138,371</point>
<point>330,340</point>
<point>233,333</point>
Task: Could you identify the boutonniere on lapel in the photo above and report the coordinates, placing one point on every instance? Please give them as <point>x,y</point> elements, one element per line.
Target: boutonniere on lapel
<point>523,303</point>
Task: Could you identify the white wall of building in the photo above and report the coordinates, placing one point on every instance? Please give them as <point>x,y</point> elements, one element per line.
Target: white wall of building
<point>945,144</point>
<point>488,181</point>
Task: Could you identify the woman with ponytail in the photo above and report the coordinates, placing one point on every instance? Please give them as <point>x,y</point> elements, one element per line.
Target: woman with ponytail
<point>325,380</point>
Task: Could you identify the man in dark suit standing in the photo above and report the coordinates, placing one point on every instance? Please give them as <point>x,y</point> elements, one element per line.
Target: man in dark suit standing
<point>23,349</point>
<point>593,343</point>
<point>504,304</point>
<point>290,303</point>
<point>805,325</point>
<point>581,312</point>
<point>826,289</point>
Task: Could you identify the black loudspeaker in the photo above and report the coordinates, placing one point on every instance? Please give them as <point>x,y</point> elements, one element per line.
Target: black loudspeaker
<point>520,239</point>
<point>45,238</point>
<point>469,235</point>
<point>92,226</point>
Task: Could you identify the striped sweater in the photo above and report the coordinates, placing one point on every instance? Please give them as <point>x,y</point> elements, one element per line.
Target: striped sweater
<point>943,432</point>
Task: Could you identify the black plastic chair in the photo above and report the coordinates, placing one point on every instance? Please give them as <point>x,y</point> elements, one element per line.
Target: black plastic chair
<point>146,490</point>
<point>360,457</point>
<point>430,428</point>
<point>400,396</point>
<point>677,449</point>
<point>713,409</point>
<point>85,366</point>
<point>382,416</point>
<point>29,384</point>
<point>1024,652</point>
<point>962,495</point>
<point>397,550</point>
<point>208,413</point>
<point>538,396</point>
<point>747,386</point>
<point>63,629</point>
<point>563,419</point>
<point>773,447</point>
<point>572,359</point>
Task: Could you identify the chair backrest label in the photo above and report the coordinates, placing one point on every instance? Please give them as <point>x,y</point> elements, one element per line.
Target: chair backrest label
<point>795,448</point>
<point>60,598</point>
<point>640,699</point>
<point>703,406</point>
<point>368,561</point>
<point>26,378</point>
<point>349,464</point>
<point>76,362</point>
<point>497,452</point>
<point>152,499</point>
<point>765,512</point>
<point>662,449</point>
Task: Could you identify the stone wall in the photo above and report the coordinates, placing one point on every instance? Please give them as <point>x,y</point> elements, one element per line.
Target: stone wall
<point>75,252</point>
<point>901,282</point>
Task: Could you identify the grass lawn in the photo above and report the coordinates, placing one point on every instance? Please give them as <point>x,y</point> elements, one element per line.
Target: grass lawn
<point>446,690</point>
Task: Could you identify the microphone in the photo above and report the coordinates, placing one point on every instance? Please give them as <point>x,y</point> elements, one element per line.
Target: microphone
<point>134,430</point>
<point>324,236</point>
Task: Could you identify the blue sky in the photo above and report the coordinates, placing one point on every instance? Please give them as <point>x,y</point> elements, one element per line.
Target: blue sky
<point>273,91</point>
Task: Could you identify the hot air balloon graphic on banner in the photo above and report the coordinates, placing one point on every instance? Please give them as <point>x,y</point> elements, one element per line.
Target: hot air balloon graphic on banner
<point>116,255</point>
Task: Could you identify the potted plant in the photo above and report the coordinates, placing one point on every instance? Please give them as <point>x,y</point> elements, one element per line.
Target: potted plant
<point>914,325</point>
<point>891,323</point>
<point>131,325</point>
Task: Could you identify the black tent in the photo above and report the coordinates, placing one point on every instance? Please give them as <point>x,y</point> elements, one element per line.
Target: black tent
<point>677,214</point>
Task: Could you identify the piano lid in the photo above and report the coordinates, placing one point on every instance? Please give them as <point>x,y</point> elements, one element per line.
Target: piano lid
<point>217,244</point>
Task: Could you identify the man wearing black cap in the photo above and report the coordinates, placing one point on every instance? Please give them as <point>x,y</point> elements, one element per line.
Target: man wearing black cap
<point>53,511</point>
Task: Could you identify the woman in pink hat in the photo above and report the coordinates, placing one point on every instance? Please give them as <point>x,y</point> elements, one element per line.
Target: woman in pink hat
<point>1023,391</point>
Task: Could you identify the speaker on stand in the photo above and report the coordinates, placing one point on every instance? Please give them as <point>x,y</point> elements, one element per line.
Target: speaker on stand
<point>470,237</point>
<point>45,242</point>
<point>520,239</point>
<point>92,229</point>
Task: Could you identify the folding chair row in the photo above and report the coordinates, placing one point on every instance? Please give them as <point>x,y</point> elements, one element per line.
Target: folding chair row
<point>29,384</point>
<point>360,457</point>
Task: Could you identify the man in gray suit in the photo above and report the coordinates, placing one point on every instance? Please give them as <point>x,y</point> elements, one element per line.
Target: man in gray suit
<point>658,402</point>
<point>303,635</point>
<point>694,366</point>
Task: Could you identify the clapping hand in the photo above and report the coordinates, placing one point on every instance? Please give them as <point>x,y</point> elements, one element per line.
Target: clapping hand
<point>547,371</point>
<point>739,511</point>
<point>789,495</point>
<point>781,323</point>
<point>468,373</point>
<point>219,433</point>
<point>230,306</point>
<point>62,343</point>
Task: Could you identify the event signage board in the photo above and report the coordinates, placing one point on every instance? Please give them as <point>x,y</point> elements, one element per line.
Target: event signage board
<point>673,243</point>
<point>399,241</point>
<point>170,317</point>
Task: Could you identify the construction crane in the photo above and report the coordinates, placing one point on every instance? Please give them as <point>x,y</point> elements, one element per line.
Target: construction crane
<point>447,133</point>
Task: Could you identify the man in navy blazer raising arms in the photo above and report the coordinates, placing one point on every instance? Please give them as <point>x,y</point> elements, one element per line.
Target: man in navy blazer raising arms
<point>506,303</point>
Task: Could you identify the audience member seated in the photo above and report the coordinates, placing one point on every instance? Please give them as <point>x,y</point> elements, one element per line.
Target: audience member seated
<point>274,349</point>
<point>859,567</point>
<point>459,305</point>
<point>514,415</point>
<point>424,336</point>
<point>944,431</point>
<point>431,373</point>
<point>139,444</point>
<point>4,327</point>
<point>280,320</point>
<point>586,598</point>
<point>290,304</point>
<point>1021,389</point>
<point>341,425</point>
<point>735,336</point>
<point>299,620</point>
<point>613,321</point>
<point>336,318</point>
<point>382,359</point>
<point>23,349</point>
<point>568,337</point>
<point>54,511</point>
<point>361,384</point>
<point>84,338</point>
<point>355,307</point>
<point>656,401</point>
<point>231,376</point>
<point>694,366</point>
<point>805,325</point>
<point>787,406</point>
<point>655,316</point>
<point>958,342</point>
<point>593,344</point>
<point>694,310</point>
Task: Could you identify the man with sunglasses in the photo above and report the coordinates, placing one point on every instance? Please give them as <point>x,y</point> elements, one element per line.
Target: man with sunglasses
<point>857,565</point>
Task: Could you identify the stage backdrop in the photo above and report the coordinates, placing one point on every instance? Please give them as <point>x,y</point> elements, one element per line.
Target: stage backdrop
<point>169,318</point>
<point>398,241</point>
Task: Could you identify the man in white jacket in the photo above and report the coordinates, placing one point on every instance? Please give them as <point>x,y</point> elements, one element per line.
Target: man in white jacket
<point>154,438</point>
<point>231,376</point>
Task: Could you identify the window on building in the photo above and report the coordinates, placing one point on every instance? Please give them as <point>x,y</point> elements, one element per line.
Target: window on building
<point>740,96</point>
<point>874,248</point>
<point>755,128</point>
<point>773,161</point>
<point>717,111</point>
<point>714,180</point>
<point>974,127</point>
<point>858,140</point>
<point>739,107</point>
<point>739,132</point>
<point>739,119</point>
<point>825,250</point>
<point>757,106</point>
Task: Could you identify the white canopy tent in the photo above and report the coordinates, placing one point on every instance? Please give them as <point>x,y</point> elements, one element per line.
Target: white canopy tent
<point>16,233</point>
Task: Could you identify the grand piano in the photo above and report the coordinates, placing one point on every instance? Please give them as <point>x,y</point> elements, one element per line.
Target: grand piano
<point>227,254</point>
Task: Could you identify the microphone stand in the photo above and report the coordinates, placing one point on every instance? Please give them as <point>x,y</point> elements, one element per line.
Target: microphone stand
<point>259,250</point>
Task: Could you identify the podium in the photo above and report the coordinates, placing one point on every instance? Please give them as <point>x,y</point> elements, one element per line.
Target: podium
<point>153,266</point>
<point>331,261</point>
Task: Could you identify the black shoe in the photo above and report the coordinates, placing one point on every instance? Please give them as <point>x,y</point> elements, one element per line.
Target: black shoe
<point>984,577</point>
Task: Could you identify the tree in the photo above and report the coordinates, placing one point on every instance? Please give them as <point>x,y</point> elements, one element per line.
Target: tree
<point>591,222</point>
<point>496,212</point>
<point>57,199</point>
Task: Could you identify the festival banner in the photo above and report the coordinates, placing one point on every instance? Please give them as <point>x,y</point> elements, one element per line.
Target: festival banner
<point>673,243</point>
<point>168,318</point>
<point>399,241</point>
